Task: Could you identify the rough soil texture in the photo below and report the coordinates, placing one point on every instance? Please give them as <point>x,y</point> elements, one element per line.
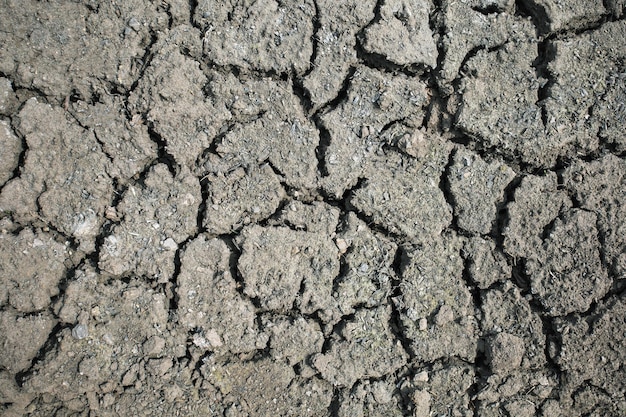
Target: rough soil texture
<point>314,208</point>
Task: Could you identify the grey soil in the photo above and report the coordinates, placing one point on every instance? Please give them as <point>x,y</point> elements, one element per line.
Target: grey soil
<point>314,208</point>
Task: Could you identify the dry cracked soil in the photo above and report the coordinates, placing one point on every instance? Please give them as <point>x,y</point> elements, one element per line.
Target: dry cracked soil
<point>313,208</point>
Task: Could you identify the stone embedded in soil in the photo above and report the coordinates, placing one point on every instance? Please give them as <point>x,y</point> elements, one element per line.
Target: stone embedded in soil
<point>266,387</point>
<point>72,196</point>
<point>403,195</point>
<point>365,348</point>
<point>280,265</point>
<point>538,201</point>
<point>567,274</point>
<point>126,142</point>
<point>157,215</point>
<point>505,310</point>
<point>468,29</point>
<point>209,302</point>
<point>72,47</point>
<point>31,267</point>
<point>293,339</point>
<point>592,354</point>
<point>599,187</point>
<point>486,264</point>
<point>403,34</point>
<point>431,282</point>
<point>241,197</point>
<point>477,188</point>
<point>171,95</point>
<point>264,35</point>
<point>559,15</point>
<point>10,150</point>
<point>21,337</point>
<point>339,23</point>
<point>374,99</point>
<point>368,272</point>
<point>586,97</point>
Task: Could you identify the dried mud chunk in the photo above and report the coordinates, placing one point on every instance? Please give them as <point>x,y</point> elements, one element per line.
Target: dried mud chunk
<point>127,143</point>
<point>119,319</point>
<point>520,393</point>
<point>404,197</point>
<point>265,35</point>
<point>433,290</point>
<point>293,340</point>
<point>592,401</point>
<point>167,395</point>
<point>499,105</point>
<point>617,7</point>
<point>31,267</point>
<point>366,349</point>
<point>599,187</point>
<point>504,352</point>
<point>156,219</point>
<point>487,265</point>
<point>14,399</point>
<point>241,197</point>
<point>8,99</point>
<point>559,15</point>
<point>277,262</point>
<point>281,135</point>
<point>371,398</point>
<point>592,350</point>
<point>586,99</point>
<point>336,46</point>
<point>266,387</point>
<point>499,5</point>
<point>368,273</point>
<point>72,46</point>
<point>171,95</point>
<point>505,310</point>
<point>65,174</point>
<point>538,201</point>
<point>10,150</point>
<point>374,100</point>
<point>317,217</point>
<point>403,34</point>
<point>477,187</point>
<point>21,338</point>
<point>446,391</point>
<point>209,300</point>
<point>468,29</point>
<point>568,275</point>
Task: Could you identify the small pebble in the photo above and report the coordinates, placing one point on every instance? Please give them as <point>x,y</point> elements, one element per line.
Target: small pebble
<point>421,377</point>
<point>423,324</point>
<point>342,245</point>
<point>169,244</point>
<point>80,331</point>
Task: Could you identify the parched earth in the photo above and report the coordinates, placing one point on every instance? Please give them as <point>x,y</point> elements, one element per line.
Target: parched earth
<point>313,208</point>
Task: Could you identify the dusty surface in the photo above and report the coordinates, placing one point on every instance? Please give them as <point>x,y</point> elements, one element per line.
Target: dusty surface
<point>315,208</point>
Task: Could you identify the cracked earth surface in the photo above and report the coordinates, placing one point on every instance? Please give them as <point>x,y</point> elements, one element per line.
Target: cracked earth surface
<point>313,208</point>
